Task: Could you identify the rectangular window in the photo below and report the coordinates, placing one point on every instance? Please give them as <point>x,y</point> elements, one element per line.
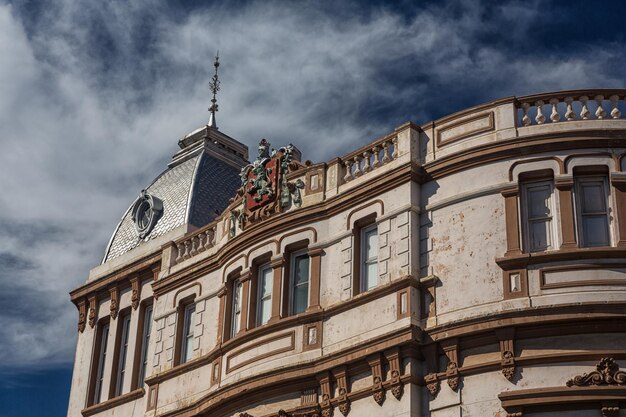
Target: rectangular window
<point>264,295</point>
<point>235,321</point>
<point>538,215</point>
<point>299,282</point>
<point>187,341</point>
<point>145,342</point>
<point>102,354</point>
<point>123,353</point>
<point>593,215</point>
<point>369,257</point>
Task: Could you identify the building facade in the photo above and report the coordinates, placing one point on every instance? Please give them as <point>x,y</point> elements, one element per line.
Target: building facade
<point>471,266</point>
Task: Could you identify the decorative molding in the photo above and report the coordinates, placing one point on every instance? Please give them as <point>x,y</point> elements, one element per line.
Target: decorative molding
<point>432,384</point>
<point>507,351</point>
<point>488,124</point>
<point>451,350</point>
<point>341,376</point>
<point>93,315</point>
<point>325,404</point>
<point>82,315</point>
<point>378,391</point>
<point>135,295</point>
<point>291,336</point>
<point>607,373</point>
<point>114,305</point>
<point>397,386</point>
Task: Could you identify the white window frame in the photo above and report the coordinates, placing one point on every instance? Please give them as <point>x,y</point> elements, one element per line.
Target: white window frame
<point>552,235</point>
<point>260,296</point>
<point>364,260</point>
<point>578,181</point>
<point>235,313</point>
<point>187,334</point>
<point>145,342</point>
<point>292,279</point>
<point>123,354</point>
<point>104,340</point>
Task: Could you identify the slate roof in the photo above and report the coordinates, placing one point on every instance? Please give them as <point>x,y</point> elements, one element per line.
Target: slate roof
<point>193,192</point>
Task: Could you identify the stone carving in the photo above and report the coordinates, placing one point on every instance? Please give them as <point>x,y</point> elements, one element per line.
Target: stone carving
<point>113,308</point>
<point>283,413</point>
<point>327,412</point>
<point>245,415</point>
<point>379,397</point>
<point>610,411</point>
<point>344,408</point>
<point>508,365</point>
<point>397,387</point>
<point>92,312</point>
<point>607,373</point>
<point>82,316</point>
<point>432,384</point>
<point>453,375</point>
<point>134,295</point>
<point>264,184</point>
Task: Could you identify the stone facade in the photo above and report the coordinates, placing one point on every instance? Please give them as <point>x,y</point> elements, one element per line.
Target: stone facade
<point>480,306</point>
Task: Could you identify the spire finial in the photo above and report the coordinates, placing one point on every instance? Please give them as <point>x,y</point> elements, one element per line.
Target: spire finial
<point>214,85</point>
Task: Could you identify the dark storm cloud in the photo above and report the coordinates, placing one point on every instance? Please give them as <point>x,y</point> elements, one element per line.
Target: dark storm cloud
<point>96,94</point>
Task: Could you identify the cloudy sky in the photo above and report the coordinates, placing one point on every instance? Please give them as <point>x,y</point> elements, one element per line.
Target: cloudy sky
<point>94,96</point>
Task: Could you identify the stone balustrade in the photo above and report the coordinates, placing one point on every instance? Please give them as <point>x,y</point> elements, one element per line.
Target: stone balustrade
<point>370,157</point>
<point>198,242</point>
<point>570,105</point>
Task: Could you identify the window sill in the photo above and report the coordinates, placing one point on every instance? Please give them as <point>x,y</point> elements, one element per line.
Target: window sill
<point>518,261</point>
<point>113,402</point>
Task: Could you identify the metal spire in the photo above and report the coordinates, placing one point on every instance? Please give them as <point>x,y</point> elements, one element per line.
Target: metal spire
<point>214,85</point>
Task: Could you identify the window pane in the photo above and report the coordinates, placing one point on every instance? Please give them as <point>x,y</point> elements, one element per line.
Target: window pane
<point>301,269</point>
<point>301,298</point>
<point>104,335</point>
<point>593,198</point>
<point>119,386</point>
<point>266,310</point>
<point>236,321</point>
<point>145,342</point>
<point>595,229</point>
<point>188,333</point>
<point>266,282</point>
<point>539,234</point>
<point>264,301</point>
<point>371,244</point>
<point>371,275</point>
<point>539,201</point>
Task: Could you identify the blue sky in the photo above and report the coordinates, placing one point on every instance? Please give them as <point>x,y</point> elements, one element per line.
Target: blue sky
<point>94,96</point>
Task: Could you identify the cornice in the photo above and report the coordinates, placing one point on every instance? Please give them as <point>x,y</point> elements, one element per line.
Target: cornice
<point>523,260</point>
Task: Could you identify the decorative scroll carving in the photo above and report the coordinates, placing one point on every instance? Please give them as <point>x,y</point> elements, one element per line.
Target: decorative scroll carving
<point>378,392</point>
<point>451,349</point>
<point>283,413</point>
<point>135,295</point>
<point>341,375</point>
<point>397,386</point>
<point>507,352</point>
<point>92,311</point>
<point>82,315</point>
<point>114,307</point>
<point>432,384</point>
<point>325,404</point>
<point>245,415</point>
<point>607,373</point>
<point>611,411</point>
<point>516,414</point>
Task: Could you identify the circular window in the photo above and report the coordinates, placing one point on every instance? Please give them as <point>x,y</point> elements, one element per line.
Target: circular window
<point>146,212</point>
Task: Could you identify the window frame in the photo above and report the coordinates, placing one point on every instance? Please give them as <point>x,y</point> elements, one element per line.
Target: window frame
<point>291,280</point>
<point>578,218</point>
<point>552,236</point>
<point>364,261</point>
<point>236,308</point>
<point>100,355</point>
<point>143,335</point>
<point>259,296</point>
<point>122,343</point>
<point>186,347</point>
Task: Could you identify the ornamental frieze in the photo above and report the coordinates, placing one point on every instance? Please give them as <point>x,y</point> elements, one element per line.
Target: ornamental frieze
<point>607,373</point>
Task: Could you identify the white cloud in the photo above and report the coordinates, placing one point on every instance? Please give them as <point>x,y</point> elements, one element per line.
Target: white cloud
<point>95,95</point>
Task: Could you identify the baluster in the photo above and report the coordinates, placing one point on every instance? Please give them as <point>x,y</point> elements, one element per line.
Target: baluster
<point>201,242</point>
<point>375,152</point>
<point>600,113</point>
<point>615,113</point>
<point>179,253</point>
<point>386,157</point>
<point>366,166</point>
<point>210,236</point>
<point>526,121</point>
<point>187,244</point>
<point>194,246</point>
<point>584,111</point>
<point>569,113</point>
<point>540,118</point>
<point>357,167</point>
<point>554,116</point>
<point>348,175</point>
<point>394,155</point>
